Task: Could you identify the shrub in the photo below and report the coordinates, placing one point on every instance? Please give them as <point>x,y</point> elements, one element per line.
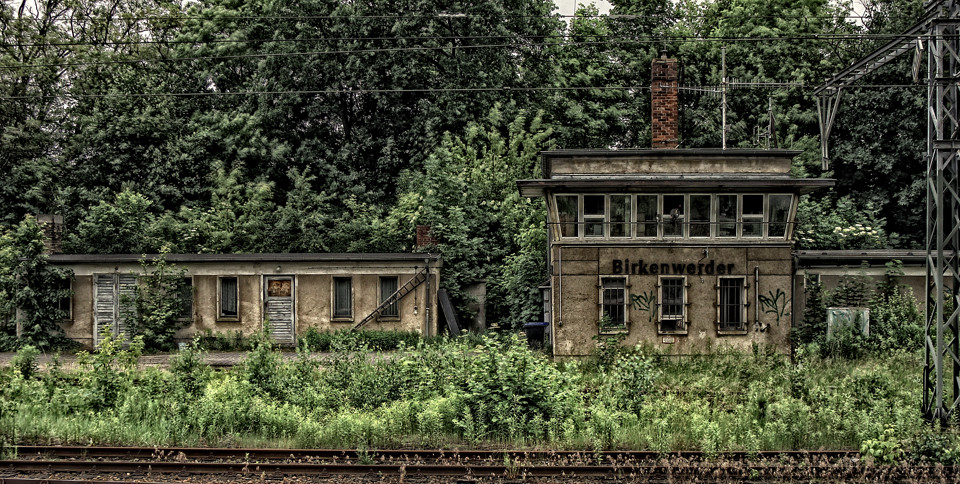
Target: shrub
<point>157,305</point>
<point>347,340</point>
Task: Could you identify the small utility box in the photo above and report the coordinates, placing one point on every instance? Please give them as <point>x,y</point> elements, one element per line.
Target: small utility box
<point>838,318</point>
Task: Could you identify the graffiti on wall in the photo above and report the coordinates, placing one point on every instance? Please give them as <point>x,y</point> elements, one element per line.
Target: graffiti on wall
<point>645,302</point>
<point>775,303</point>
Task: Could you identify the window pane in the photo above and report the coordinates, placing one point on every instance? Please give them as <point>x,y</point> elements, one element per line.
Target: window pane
<point>752,215</point>
<point>646,215</point>
<point>388,286</point>
<point>726,215</point>
<point>614,301</point>
<point>342,307</point>
<point>700,215</point>
<point>620,215</point>
<point>567,211</point>
<point>228,297</point>
<point>731,304</point>
<point>779,211</point>
<point>186,298</point>
<point>673,218</point>
<point>593,215</point>
<point>64,302</point>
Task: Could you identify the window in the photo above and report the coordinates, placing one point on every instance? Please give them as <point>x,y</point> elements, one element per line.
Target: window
<point>65,300</point>
<point>613,303</point>
<point>229,298</point>
<point>779,212</point>
<point>731,310</point>
<point>700,215</point>
<point>620,216</point>
<point>342,298</point>
<point>388,286</point>
<point>186,298</point>
<point>727,208</point>
<point>752,216</point>
<point>672,304</point>
<point>593,215</point>
<point>673,215</point>
<point>646,215</point>
<point>568,211</point>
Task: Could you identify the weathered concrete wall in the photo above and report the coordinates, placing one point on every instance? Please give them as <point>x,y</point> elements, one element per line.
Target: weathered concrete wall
<point>577,273</point>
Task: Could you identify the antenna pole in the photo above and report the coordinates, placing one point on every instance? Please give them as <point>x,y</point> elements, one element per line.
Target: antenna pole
<point>723,96</point>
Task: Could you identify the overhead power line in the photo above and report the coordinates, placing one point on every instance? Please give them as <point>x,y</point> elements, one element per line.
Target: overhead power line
<point>708,89</point>
<point>562,37</point>
<point>820,37</point>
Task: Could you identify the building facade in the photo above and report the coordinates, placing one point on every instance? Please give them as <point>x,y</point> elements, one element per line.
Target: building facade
<point>243,292</point>
<point>686,249</point>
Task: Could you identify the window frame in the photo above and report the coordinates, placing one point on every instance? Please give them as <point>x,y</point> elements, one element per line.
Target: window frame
<point>333,299</point>
<point>221,316</point>
<point>666,218</point>
<point>65,303</point>
<point>188,316</point>
<point>381,297</point>
<point>724,327</point>
<point>679,320</point>
<point>622,326</point>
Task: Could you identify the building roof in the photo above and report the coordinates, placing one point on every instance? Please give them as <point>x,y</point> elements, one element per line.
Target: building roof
<point>814,258</point>
<point>676,183</point>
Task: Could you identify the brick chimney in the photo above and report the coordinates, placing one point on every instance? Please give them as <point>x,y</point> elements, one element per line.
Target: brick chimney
<point>52,227</point>
<point>664,103</point>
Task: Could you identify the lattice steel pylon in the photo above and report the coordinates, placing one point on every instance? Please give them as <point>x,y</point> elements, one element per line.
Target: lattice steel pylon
<point>940,32</point>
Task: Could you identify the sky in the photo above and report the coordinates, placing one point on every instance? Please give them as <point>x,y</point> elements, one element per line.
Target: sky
<point>568,7</point>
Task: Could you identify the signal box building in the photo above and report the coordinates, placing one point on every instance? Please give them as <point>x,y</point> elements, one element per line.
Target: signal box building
<point>292,293</point>
<point>686,248</point>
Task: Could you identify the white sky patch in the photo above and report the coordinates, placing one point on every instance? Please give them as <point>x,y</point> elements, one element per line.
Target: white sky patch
<point>569,7</point>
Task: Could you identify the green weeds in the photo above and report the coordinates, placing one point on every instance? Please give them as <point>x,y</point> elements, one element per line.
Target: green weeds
<point>491,392</point>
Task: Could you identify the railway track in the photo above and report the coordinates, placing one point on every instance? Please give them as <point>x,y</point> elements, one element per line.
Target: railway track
<point>145,463</point>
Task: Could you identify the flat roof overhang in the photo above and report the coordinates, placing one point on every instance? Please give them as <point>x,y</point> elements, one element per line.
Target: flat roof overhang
<point>833,258</point>
<point>266,257</point>
<point>680,183</point>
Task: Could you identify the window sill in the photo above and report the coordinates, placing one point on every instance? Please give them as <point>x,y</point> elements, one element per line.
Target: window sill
<point>341,320</point>
<point>613,331</point>
<point>673,333</point>
<point>389,319</point>
<point>228,320</point>
<point>737,332</point>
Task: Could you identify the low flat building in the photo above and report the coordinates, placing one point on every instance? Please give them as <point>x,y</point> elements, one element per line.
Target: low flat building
<point>240,292</point>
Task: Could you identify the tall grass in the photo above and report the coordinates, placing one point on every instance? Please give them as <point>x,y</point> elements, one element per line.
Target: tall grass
<point>453,394</point>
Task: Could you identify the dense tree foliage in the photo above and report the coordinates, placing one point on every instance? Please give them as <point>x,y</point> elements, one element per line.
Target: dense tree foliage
<point>320,125</point>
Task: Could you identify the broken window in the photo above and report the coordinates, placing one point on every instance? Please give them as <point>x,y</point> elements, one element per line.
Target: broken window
<point>646,215</point>
<point>700,209</point>
<point>778,215</point>
<point>593,215</point>
<point>673,215</point>
<point>753,215</point>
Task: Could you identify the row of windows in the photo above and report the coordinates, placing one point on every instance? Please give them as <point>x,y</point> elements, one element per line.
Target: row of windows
<point>229,297</point>
<point>674,215</point>
<point>671,304</point>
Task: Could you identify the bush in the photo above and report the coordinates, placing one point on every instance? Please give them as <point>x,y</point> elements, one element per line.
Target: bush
<point>373,340</point>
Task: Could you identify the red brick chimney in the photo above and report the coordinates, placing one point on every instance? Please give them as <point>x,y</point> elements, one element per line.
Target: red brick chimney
<point>664,103</point>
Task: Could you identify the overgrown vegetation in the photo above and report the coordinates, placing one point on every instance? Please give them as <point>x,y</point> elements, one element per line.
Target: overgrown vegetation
<point>895,319</point>
<point>499,393</point>
<point>155,311</point>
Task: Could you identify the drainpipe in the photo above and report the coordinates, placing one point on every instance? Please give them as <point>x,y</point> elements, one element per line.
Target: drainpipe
<point>426,299</point>
<point>756,296</point>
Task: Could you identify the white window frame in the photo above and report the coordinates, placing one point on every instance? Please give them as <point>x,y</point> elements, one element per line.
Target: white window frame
<point>680,321</point>
<point>711,216</point>
<point>618,328</point>
<point>578,216</point>
<point>635,214</point>
<point>744,287</point>
<point>769,219</point>
<point>762,221</point>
